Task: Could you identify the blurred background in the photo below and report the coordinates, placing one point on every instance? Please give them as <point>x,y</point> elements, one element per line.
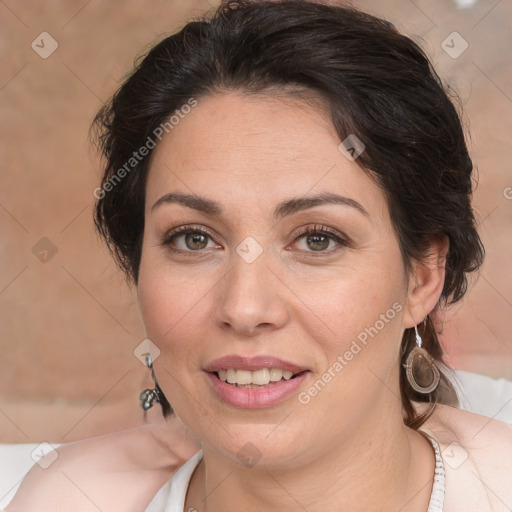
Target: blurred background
<point>69,324</point>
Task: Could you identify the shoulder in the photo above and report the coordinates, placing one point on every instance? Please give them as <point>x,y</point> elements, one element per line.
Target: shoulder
<point>476,455</point>
<point>118,471</point>
<point>483,437</point>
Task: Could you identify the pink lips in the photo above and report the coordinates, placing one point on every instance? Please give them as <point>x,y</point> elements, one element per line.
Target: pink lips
<point>252,398</point>
<point>251,363</point>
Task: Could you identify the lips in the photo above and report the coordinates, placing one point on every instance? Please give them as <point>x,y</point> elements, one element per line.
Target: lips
<point>250,396</point>
<point>252,363</point>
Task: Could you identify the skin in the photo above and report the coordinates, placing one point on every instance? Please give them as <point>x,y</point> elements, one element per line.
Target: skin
<point>204,301</point>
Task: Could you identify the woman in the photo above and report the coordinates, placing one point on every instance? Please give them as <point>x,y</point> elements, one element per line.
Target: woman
<point>288,187</point>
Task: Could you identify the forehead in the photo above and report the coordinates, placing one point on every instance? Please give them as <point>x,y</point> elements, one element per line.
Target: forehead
<point>242,149</point>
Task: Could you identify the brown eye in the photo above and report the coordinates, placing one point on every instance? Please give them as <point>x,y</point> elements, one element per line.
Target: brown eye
<point>319,239</point>
<point>317,242</point>
<point>189,239</point>
<point>196,241</point>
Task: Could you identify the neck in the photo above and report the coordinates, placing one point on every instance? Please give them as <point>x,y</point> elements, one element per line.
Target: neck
<point>395,463</point>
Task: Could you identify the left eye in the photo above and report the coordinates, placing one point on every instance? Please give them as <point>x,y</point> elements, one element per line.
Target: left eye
<point>319,240</point>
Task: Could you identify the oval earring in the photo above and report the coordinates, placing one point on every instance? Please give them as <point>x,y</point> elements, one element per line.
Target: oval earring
<point>421,371</point>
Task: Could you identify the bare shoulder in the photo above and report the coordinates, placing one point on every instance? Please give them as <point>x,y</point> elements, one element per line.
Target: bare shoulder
<point>118,471</point>
<point>481,434</point>
<point>476,455</point>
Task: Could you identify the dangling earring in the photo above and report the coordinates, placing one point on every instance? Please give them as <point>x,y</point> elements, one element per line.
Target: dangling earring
<point>148,396</point>
<point>422,373</point>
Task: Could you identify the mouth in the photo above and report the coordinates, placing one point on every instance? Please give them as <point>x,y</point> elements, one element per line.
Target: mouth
<point>254,382</point>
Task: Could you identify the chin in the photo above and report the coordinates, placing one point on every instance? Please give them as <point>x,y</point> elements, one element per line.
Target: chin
<point>259,446</point>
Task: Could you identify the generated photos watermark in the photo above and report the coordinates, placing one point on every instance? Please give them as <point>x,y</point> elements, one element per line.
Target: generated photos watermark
<point>137,156</point>
<point>343,360</point>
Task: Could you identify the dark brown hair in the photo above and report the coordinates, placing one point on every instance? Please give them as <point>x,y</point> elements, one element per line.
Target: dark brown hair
<point>378,85</point>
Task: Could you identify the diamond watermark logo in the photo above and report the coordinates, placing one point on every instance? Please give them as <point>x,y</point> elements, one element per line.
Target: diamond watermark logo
<point>352,147</point>
<point>249,455</point>
<point>454,455</point>
<point>44,45</point>
<point>454,45</point>
<point>144,349</point>
<point>44,250</point>
<point>249,249</point>
<point>44,455</point>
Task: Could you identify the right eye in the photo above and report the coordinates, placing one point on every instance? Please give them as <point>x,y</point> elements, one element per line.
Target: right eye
<point>188,239</point>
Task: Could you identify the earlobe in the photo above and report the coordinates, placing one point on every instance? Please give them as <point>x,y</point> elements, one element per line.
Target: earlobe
<point>426,283</point>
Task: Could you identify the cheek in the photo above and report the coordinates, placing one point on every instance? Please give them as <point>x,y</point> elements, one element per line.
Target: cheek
<point>363,314</point>
<point>359,340</point>
<point>172,306</point>
<point>353,298</point>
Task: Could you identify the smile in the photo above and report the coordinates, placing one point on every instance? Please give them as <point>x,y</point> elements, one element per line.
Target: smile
<point>245,392</point>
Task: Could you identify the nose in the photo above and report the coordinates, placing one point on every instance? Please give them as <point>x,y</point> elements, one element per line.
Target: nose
<point>251,299</point>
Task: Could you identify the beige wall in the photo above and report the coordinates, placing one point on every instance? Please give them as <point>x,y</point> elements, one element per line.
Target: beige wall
<point>68,326</point>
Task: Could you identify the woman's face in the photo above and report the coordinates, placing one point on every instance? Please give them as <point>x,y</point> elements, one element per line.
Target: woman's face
<point>248,174</point>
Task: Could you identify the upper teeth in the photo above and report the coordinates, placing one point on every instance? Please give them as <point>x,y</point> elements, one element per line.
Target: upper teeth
<point>260,377</point>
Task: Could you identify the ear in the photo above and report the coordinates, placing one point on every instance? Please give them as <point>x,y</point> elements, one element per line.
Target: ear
<point>426,281</point>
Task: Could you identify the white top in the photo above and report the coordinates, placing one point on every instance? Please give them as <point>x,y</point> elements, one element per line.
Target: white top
<point>171,496</point>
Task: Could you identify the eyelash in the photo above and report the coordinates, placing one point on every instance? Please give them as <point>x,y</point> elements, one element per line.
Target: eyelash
<point>316,229</point>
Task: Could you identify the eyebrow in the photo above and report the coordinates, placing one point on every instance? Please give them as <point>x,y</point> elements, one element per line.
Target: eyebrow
<point>283,209</point>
